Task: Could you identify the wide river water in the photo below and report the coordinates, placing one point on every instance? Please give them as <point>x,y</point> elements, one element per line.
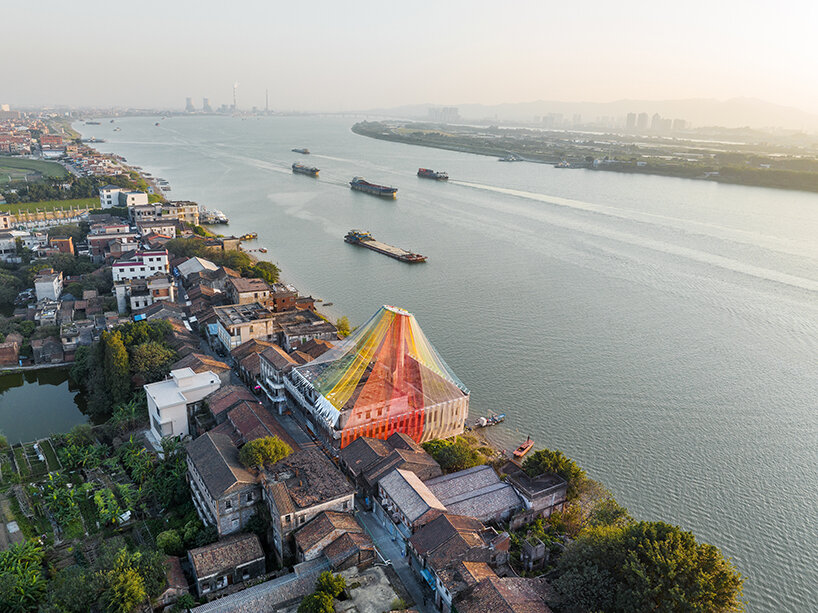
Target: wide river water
<point>663,332</point>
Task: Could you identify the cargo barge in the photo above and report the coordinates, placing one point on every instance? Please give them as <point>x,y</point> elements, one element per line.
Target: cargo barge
<point>427,173</point>
<point>364,239</point>
<point>305,170</point>
<point>362,185</point>
<point>304,150</point>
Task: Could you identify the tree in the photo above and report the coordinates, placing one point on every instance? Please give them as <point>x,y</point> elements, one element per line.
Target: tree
<point>152,360</point>
<point>343,326</point>
<point>646,566</point>
<point>318,602</point>
<point>548,461</point>
<point>117,367</point>
<point>263,451</point>
<point>330,584</point>
<point>453,455</point>
<point>22,584</point>
<point>170,542</point>
<point>265,270</point>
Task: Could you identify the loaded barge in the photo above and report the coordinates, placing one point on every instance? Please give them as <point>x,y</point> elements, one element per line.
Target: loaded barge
<point>364,239</point>
<point>362,185</point>
<point>305,170</point>
<point>428,173</point>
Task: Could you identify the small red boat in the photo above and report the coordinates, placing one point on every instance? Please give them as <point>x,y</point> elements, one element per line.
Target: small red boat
<point>524,448</point>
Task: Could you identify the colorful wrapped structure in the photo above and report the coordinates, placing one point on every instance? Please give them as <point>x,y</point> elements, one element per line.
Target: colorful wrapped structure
<point>384,378</point>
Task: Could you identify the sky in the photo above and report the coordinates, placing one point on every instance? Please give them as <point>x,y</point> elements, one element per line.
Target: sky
<point>355,55</point>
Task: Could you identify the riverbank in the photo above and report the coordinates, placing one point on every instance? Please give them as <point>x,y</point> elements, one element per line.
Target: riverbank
<point>715,163</point>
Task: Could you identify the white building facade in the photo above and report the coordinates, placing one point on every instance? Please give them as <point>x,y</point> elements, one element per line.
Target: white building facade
<point>170,402</point>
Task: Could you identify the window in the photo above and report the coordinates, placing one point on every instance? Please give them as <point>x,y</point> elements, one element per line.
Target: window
<point>301,520</point>
<point>250,497</point>
<point>228,504</point>
<point>235,523</point>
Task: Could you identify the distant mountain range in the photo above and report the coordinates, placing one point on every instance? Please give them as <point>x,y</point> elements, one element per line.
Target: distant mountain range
<point>699,112</point>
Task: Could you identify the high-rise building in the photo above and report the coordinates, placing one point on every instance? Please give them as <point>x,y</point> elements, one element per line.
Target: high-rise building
<point>656,122</point>
<point>679,124</point>
<point>206,105</point>
<point>642,121</point>
<point>630,122</point>
<point>446,114</point>
<point>189,108</point>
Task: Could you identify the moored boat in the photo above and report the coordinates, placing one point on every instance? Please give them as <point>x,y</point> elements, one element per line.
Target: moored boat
<point>305,170</point>
<point>524,448</point>
<point>362,185</point>
<point>427,173</point>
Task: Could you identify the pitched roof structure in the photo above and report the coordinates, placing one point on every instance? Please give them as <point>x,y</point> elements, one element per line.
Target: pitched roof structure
<point>227,397</point>
<point>387,365</point>
<point>323,525</point>
<point>477,492</point>
<point>225,554</point>
<point>412,497</point>
<point>216,459</point>
<point>441,529</point>
<point>504,595</point>
<point>201,362</point>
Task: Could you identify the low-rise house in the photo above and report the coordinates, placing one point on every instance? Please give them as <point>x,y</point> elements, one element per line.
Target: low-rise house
<point>299,327</point>
<point>247,291</point>
<point>48,284</point>
<point>282,297</point>
<point>339,537</point>
<point>367,459</point>
<point>227,562</point>
<point>47,350</point>
<point>249,420</point>
<point>223,491</point>
<point>405,504</point>
<point>170,402</point>
<point>76,334</point>
<point>239,323</point>
<point>176,584</point>
<point>505,595</point>
<point>9,353</point>
<point>109,196</point>
<point>247,361</point>
<point>454,552</point>
<point>63,244</point>
<point>140,265</point>
<point>163,309</point>
<point>298,488</point>
<point>165,227</point>
<point>201,363</point>
<point>541,495</point>
<point>215,278</point>
<point>274,365</point>
<point>194,265</point>
<point>476,492</point>
<point>226,398</point>
<point>141,293</point>
<point>46,312</point>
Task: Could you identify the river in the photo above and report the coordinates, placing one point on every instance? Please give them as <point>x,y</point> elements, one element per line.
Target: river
<point>663,332</point>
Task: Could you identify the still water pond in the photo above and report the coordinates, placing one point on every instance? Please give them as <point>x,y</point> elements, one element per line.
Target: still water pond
<point>34,404</point>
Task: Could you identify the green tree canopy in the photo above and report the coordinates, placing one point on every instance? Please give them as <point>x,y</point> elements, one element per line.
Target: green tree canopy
<point>117,367</point>
<point>548,461</point>
<point>330,584</point>
<point>170,542</point>
<point>152,360</point>
<point>264,451</point>
<point>645,566</point>
<point>22,584</point>
<point>318,602</point>
<point>453,455</point>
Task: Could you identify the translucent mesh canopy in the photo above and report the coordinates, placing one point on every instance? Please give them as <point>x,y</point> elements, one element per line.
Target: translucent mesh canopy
<point>385,374</point>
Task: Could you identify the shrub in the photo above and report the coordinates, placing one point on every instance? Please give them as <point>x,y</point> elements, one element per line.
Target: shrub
<point>170,543</point>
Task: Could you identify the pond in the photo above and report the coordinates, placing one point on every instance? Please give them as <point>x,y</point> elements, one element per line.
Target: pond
<point>36,403</point>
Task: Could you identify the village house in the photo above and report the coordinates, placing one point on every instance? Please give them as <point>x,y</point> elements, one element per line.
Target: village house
<point>298,488</point>
<point>201,363</point>
<point>194,265</point>
<point>140,265</point>
<point>224,399</point>
<point>504,595</point>
<point>541,495</point>
<point>405,504</point>
<point>476,492</point>
<point>339,537</point>
<point>165,227</point>
<point>274,365</point>
<point>170,402</point>
<point>239,323</point>
<point>63,244</point>
<point>224,492</point>
<point>227,562</point>
<point>245,291</point>
<point>366,460</point>
<point>48,284</point>
<point>141,293</point>
<point>246,359</point>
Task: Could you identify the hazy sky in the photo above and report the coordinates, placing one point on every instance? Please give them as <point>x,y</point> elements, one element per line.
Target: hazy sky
<point>343,55</point>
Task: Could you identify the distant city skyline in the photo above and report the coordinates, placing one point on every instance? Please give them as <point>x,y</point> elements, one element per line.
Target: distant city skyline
<point>364,55</point>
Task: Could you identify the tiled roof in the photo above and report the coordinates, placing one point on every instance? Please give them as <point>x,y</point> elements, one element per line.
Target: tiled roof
<point>347,545</point>
<point>310,479</point>
<point>253,346</point>
<point>225,398</point>
<point>363,452</point>
<point>201,362</point>
<point>323,525</point>
<point>410,495</point>
<point>504,595</point>
<point>462,575</point>
<point>243,285</point>
<point>418,462</point>
<point>441,529</point>
<point>251,364</point>
<point>226,554</point>
<point>280,359</point>
<point>216,459</point>
<point>476,492</point>
<point>315,347</point>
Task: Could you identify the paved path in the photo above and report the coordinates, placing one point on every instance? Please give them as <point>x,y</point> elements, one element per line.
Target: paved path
<point>390,550</point>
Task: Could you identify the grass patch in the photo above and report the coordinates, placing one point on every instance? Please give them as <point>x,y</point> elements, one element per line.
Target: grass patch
<point>20,460</point>
<point>12,168</point>
<point>50,455</point>
<point>49,205</point>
